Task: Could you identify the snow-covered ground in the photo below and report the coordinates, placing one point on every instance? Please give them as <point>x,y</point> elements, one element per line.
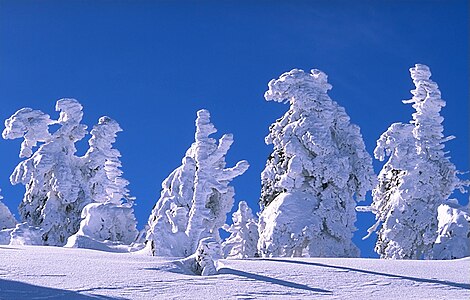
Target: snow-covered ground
<point>37,272</point>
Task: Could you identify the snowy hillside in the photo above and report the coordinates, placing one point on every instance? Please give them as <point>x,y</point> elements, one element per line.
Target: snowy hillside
<point>40,272</point>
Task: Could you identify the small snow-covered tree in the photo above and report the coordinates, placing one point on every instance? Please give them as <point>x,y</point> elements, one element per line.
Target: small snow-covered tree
<point>7,220</point>
<point>243,241</point>
<point>196,196</point>
<point>453,235</point>
<point>318,168</point>
<point>54,196</point>
<point>107,218</point>
<point>417,178</point>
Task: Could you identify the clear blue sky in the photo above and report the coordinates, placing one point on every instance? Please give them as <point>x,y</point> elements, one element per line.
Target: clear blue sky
<point>151,65</point>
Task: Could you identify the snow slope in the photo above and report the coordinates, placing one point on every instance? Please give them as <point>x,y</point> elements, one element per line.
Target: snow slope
<point>40,272</point>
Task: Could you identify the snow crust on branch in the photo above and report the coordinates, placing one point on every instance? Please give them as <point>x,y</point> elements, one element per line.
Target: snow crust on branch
<point>416,179</point>
<point>196,196</point>
<point>319,164</point>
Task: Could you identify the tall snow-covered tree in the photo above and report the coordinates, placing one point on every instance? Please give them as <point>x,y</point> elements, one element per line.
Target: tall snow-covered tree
<point>318,168</point>
<point>417,178</point>
<point>196,197</point>
<point>243,241</point>
<point>7,220</point>
<point>55,195</point>
<point>107,218</point>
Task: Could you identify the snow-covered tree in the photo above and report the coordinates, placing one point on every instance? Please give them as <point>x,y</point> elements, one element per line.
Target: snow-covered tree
<point>54,196</point>
<point>417,178</point>
<point>318,168</point>
<point>107,218</point>
<point>7,220</point>
<point>453,239</point>
<point>196,197</point>
<point>243,241</point>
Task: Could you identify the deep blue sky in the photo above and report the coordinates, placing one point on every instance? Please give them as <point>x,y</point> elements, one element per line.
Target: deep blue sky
<point>151,65</point>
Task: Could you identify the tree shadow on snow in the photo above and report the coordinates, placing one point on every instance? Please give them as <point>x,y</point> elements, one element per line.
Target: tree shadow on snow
<point>271,280</point>
<point>15,290</point>
<point>417,279</point>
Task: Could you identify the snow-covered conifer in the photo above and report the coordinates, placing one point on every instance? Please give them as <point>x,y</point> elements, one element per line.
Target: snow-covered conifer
<point>417,178</point>
<point>107,218</point>
<point>196,197</point>
<point>453,239</point>
<point>318,168</point>
<point>243,241</point>
<point>54,196</point>
<point>7,220</point>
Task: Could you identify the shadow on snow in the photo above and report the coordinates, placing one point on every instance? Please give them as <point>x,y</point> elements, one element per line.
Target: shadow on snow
<point>271,280</point>
<point>417,279</point>
<point>15,290</point>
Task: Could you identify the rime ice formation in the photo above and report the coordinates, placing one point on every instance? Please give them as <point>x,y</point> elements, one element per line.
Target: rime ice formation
<point>54,194</point>
<point>318,167</point>
<point>416,179</point>
<point>107,218</point>
<point>196,197</point>
<point>243,240</point>
<point>7,220</point>
<point>453,236</point>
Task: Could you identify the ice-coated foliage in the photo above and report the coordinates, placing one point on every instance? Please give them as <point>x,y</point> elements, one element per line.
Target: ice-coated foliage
<point>318,168</point>
<point>243,241</point>
<point>7,220</point>
<point>196,197</point>
<point>417,178</point>
<point>453,236</point>
<point>54,196</point>
<point>107,218</point>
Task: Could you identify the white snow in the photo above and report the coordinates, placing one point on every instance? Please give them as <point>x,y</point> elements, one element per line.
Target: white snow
<point>41,272</point>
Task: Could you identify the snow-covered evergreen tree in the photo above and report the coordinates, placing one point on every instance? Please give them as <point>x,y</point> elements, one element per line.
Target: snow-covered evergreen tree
<point>318,168</point>
<point>7,220</point>
<point>196,197</point>
<point>107,218</point>
<point>243,241</point>
<point>54,196</point>
<point>453,239</point>
<point>417,178</point>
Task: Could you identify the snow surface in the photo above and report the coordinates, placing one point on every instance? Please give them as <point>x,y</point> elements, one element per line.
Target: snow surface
<point>42,272</point>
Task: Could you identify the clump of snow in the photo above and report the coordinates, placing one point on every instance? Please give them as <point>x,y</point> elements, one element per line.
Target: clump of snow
<point>243,239</point>
<point>24,234</point>
<point>453,239</point>
<point>319,160</point>
<point>195,197</point>
<point>203,261</point>
<point>7,220</point>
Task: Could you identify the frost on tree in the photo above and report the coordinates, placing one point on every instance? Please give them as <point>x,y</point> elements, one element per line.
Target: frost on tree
<point>196,197</point>
<point>54,196</point>
<point>243,240</point>
<point>417,178</point>
<point>453,235</point>
<point>318,168</point>
<point>108,217</point>
<point>7,220</point>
